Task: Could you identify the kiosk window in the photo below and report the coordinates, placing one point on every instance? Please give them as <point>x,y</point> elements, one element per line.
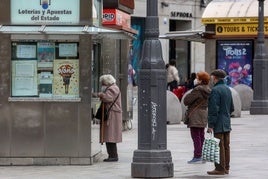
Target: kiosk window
<point>45,69</point>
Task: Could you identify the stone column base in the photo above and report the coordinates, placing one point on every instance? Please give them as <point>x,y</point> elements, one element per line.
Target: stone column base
<point>152,164</point>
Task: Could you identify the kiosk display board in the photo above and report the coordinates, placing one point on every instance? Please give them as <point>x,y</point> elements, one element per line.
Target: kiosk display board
<point>45,69</point>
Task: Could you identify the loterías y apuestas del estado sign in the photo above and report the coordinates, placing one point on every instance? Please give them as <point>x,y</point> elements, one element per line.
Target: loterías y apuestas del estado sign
<point>45,11</point>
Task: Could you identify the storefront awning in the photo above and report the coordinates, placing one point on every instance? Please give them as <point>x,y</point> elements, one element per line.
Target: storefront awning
<point>195,36</point>
<point>233,11</point>
<point>96,32</point>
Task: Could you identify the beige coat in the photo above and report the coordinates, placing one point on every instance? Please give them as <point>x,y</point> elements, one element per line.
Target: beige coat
<point>172,74</point>
<point>113,126</point>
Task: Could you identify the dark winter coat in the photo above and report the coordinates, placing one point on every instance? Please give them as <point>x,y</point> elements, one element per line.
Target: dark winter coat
<point>220,107</point>
<point>198,112</point>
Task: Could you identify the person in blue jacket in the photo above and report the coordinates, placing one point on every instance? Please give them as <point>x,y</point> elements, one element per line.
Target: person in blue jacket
<point>220,107</point>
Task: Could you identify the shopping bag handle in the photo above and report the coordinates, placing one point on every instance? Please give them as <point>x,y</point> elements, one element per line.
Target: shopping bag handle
<point>210,134</point>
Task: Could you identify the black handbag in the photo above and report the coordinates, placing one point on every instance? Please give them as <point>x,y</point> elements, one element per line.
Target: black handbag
<point>99,112</point>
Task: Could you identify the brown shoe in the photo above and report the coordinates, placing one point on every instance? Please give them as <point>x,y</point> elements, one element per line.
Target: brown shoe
<point>227,172</point>
<point>215,172</point>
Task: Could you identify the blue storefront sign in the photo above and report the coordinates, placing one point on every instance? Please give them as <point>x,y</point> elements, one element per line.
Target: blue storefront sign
<point>235,57</point>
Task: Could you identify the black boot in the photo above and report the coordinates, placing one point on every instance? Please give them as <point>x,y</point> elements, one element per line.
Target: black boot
<point>112,151</point>
<point>110,160</point>
<point>108,149</point>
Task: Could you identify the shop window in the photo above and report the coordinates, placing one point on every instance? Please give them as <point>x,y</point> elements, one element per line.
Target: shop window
<point>45,70</point>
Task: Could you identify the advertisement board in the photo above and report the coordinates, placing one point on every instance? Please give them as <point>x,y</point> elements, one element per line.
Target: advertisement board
<point>235,57</point>
<point>66,78</point>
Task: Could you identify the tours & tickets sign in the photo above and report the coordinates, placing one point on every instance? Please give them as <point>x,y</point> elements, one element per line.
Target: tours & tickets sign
<point>239,29</point>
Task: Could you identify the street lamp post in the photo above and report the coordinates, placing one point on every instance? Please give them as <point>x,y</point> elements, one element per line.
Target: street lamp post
<point>259,105</point>
<point>152,159</point>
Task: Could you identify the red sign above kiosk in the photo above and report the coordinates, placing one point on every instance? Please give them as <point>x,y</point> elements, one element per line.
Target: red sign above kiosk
<point>115,18</point>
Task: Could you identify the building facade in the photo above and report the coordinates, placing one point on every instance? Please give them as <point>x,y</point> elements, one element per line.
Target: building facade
<point>174,16</point>
<point>231,28</point>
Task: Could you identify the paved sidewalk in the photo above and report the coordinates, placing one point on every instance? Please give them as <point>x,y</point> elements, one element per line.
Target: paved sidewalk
<point>249,155</point>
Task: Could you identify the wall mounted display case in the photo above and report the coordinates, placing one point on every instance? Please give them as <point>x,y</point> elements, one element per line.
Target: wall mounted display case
<point>45,69</point>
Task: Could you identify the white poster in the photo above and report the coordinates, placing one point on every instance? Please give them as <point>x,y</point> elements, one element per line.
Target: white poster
<point>26,51</point>
<point>27,69</point>
<point>67,49</point>
<point>45,11</point>
<point>24,78</point>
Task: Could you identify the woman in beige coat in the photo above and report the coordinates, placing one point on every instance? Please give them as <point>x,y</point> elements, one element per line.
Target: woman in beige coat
<point>197,102</point>
<point>112,127</point>
<point>172,75</point>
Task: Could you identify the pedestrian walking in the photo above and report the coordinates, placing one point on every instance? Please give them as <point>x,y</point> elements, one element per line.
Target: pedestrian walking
<point>172,75</point>
<point>197,102</point>
<point>111,129</point>
<point>220,107</point>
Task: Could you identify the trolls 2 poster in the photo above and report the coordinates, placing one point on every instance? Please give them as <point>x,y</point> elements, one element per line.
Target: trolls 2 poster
<point>66,78</point>
<point>236,59</point>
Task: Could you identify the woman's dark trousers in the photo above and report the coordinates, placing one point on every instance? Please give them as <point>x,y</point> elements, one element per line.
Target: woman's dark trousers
<point>111,150</point>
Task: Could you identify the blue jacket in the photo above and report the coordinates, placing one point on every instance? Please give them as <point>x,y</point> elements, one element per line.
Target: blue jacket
<point>220,107</point>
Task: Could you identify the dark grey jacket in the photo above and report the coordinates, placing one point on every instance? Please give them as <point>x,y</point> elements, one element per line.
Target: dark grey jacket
<point>197,102</point>
<point>220,107</point>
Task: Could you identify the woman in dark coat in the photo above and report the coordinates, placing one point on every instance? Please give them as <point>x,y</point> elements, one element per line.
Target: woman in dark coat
<point>197,102</point>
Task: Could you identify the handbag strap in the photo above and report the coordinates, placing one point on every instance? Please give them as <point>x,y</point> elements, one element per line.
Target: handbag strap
<point>196,107</point>
<point>113,102</point>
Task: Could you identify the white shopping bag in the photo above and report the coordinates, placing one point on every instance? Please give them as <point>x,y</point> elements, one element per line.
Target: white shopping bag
<point>211,149</point>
